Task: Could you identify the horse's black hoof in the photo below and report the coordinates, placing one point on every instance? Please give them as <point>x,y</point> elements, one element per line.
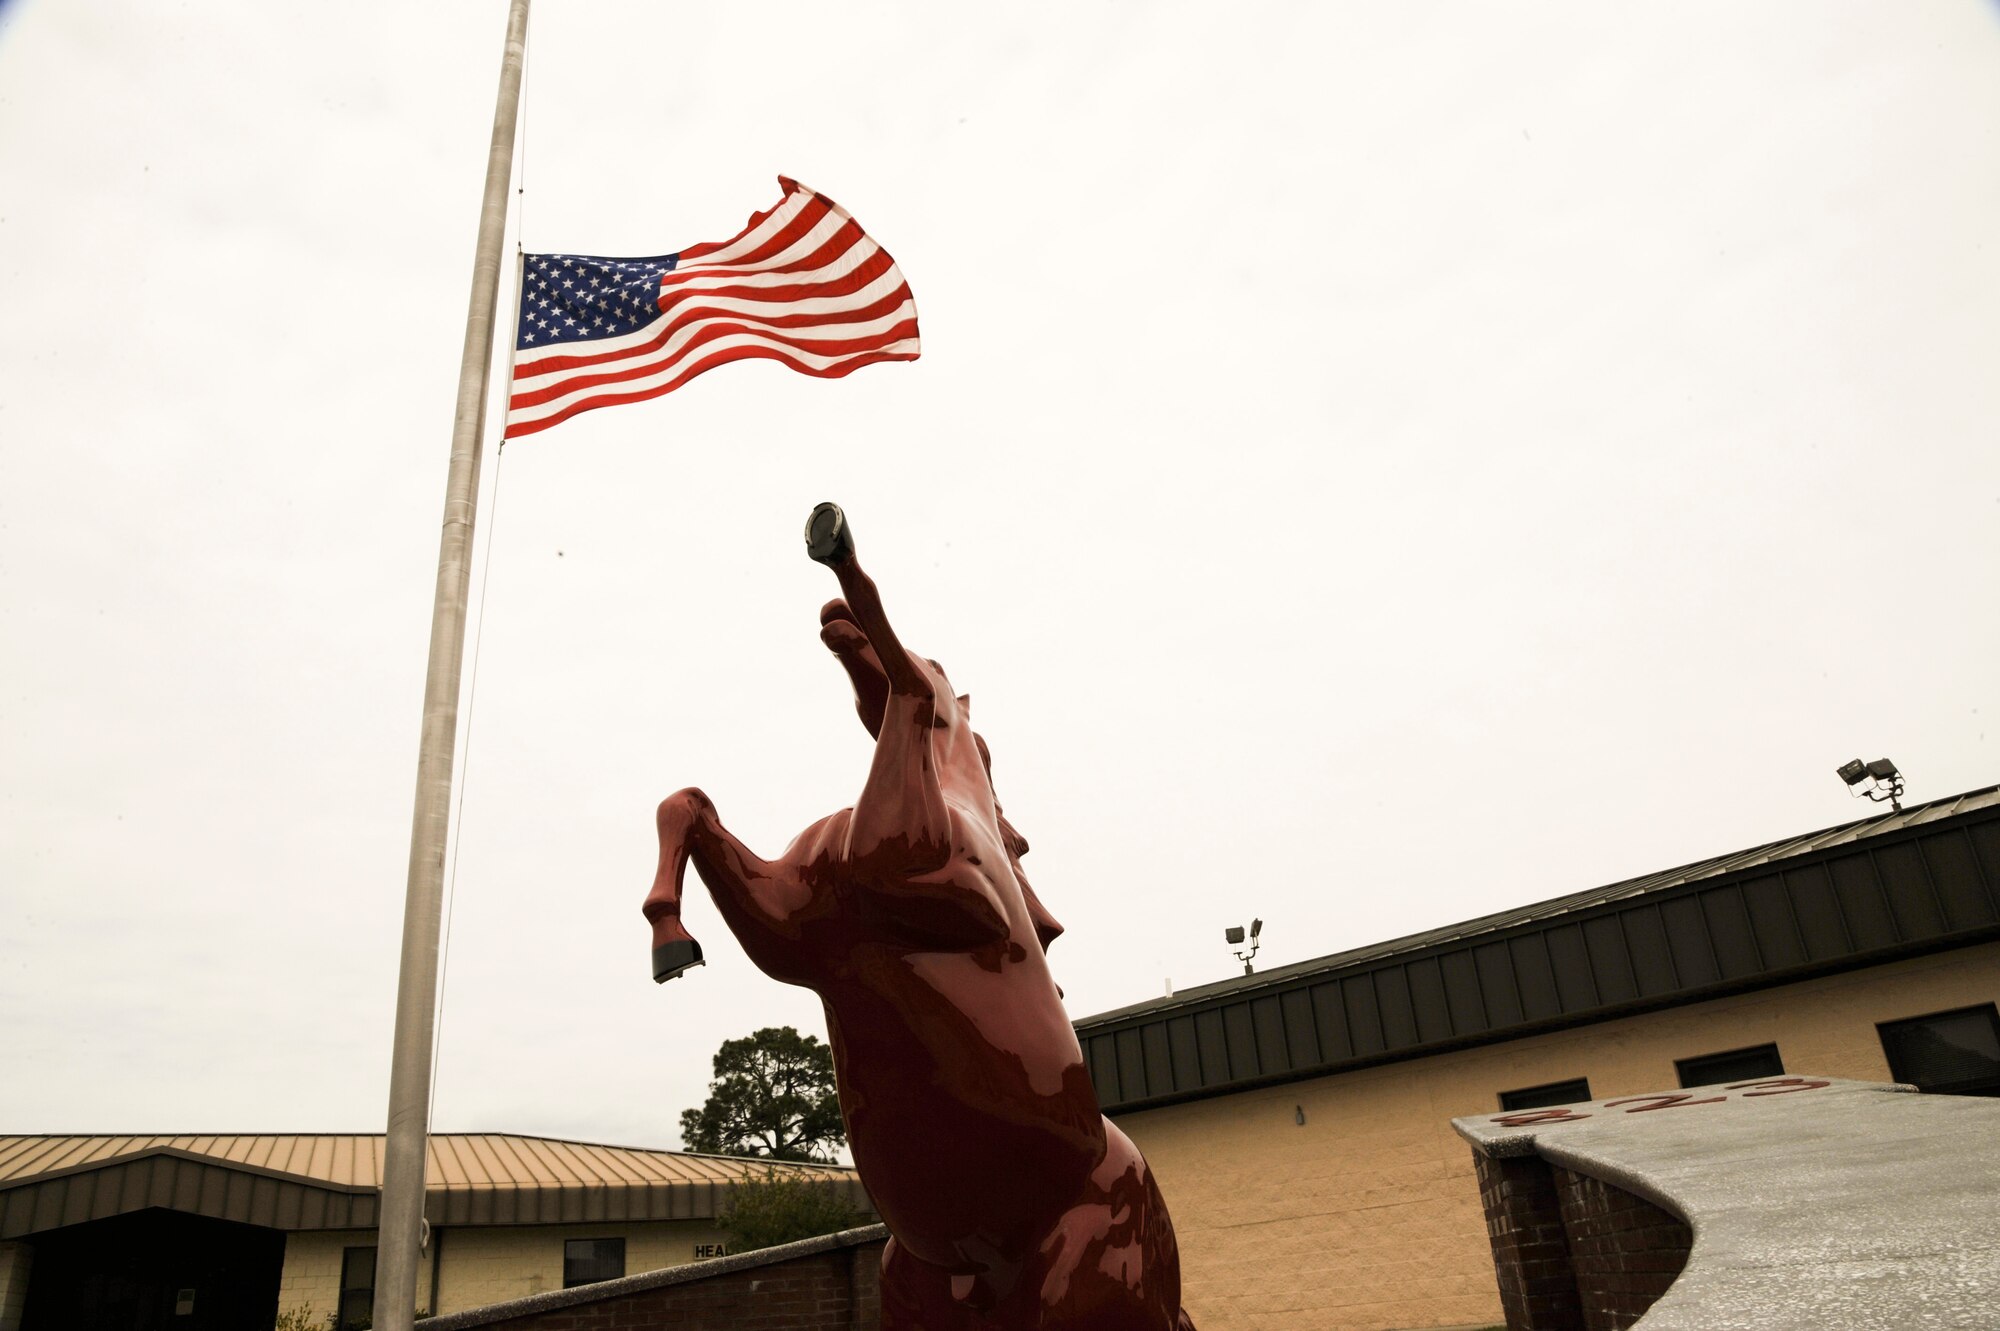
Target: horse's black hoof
<point>670,959</point>
<point>828,539</point>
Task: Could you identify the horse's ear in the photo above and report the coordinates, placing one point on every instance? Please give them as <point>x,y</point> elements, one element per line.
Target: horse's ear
<point>965,704</point>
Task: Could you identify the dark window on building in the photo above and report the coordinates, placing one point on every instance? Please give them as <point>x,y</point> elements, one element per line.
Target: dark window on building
<point>1950,1053</point>
<point>587,1261</point>
<point>1540,1097</point>
<point>357,1289</point>
<point>1736,1065</point>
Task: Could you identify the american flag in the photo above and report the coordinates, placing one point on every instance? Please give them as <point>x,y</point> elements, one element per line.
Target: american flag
<point>801,284</point>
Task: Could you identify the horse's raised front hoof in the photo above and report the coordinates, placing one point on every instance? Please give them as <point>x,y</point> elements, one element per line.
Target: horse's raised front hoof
<point>828,539</point>
<point>673,957</point>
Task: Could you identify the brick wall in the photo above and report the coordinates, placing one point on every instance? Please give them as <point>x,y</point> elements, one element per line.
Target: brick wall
<point>310,1279</point>
<point>824,1284</point>
<point>1625,1251</point>
<point>1572,1252</point>
<point>1531,1254</point>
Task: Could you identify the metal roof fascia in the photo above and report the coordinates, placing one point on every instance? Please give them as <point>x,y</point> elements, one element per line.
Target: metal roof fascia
<point>1694,929</point>
<point>1513,924</point>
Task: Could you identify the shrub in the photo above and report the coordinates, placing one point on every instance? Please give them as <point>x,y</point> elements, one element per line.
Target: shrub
<point>784,1207</point>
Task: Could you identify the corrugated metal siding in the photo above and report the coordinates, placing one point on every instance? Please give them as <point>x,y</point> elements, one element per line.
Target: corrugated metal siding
<point>331,1181</point>
<point>178,1183</point>
<point>1924,879</point>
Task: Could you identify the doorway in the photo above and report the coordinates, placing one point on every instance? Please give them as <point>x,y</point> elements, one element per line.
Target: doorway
<point>155,1270</point>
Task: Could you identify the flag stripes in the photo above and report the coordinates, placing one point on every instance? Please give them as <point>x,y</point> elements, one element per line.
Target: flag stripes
<point>802,284</point>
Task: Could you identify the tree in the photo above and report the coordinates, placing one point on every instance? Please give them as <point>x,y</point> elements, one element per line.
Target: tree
<point>773,1095</point>
<point>783,1208</point>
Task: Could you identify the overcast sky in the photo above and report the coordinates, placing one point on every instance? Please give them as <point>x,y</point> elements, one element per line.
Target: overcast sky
<point>1372,466</point>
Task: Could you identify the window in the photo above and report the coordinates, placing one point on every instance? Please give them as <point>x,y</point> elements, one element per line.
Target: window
<point>1949,1053</point>
<point>1554,1093</point>
<point>357,1289</point>
<point>587,1261</point>
<point>1736,1065</point>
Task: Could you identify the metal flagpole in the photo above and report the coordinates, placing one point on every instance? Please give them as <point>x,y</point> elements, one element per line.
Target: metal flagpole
<point>401,1236</point>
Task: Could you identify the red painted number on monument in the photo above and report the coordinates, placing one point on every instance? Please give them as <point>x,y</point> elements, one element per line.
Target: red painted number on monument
<point>1781,1085</point>
<point>1528,1118</point>
<point>1642,1103</point>
<point>1661,1102</point>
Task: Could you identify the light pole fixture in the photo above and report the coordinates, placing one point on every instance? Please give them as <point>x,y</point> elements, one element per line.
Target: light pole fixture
<point>1233,935</point>
<point>1878,780</point>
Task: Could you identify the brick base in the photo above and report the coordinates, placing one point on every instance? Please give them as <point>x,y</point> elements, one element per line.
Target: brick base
<point>1625,1251</point>
<point>1524,1223</point>
<point>1571,1252</point>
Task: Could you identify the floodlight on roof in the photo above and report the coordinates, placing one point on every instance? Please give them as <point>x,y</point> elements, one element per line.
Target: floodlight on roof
<point>1234,936</point>
<point>1878,781</point>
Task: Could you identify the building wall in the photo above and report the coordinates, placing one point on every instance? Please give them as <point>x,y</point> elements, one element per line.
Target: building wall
<point>311,1276</point>
<point>16,1263</point>
<point>832,1283</point>
<point>1367,1216</point>
<point>485,1264</point>
<point>509,1262</point>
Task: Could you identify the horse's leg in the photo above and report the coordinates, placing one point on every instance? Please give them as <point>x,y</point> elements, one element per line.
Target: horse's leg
<point>864,671</point>
<point>917,1296</point>
<point>901,813</point>
<point>755,896</point>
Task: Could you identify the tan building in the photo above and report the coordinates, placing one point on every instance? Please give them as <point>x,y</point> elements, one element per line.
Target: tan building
<point>1300,1119</point>
<point>225,1233</point>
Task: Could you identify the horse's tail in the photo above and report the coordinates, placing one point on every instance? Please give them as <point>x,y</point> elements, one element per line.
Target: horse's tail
<point>1186,1323</point>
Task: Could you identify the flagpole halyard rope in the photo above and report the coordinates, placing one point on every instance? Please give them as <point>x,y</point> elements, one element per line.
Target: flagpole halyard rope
<point>521,188</point>
<point>400,1213</point>
<point>465,772</point>
<point>457,830</point>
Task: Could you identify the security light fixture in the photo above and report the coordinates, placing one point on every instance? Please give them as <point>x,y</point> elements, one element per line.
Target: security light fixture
<point>1233,936</point>
<point>1878,780</point>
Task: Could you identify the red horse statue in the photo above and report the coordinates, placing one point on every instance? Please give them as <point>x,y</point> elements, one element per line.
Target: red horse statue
<point>1011,1200</point>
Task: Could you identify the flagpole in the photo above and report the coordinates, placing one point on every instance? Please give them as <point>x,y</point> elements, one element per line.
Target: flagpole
<point>402,1218</point>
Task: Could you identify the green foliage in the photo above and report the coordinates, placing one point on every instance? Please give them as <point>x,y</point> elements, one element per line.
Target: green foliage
<point>773,1096</point>
<point>783,1208</point>
<point>303,1318</point>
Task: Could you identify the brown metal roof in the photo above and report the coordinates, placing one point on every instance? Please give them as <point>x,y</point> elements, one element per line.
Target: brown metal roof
<point>331,1180</point>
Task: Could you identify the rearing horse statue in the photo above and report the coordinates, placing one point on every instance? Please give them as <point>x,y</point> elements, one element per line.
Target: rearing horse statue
<point>1013,1204</point>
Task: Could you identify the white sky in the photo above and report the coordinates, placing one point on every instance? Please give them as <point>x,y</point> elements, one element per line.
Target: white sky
<point>1372,465</point>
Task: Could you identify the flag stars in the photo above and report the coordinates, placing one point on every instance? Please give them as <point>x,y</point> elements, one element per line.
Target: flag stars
<point>569,298</point>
